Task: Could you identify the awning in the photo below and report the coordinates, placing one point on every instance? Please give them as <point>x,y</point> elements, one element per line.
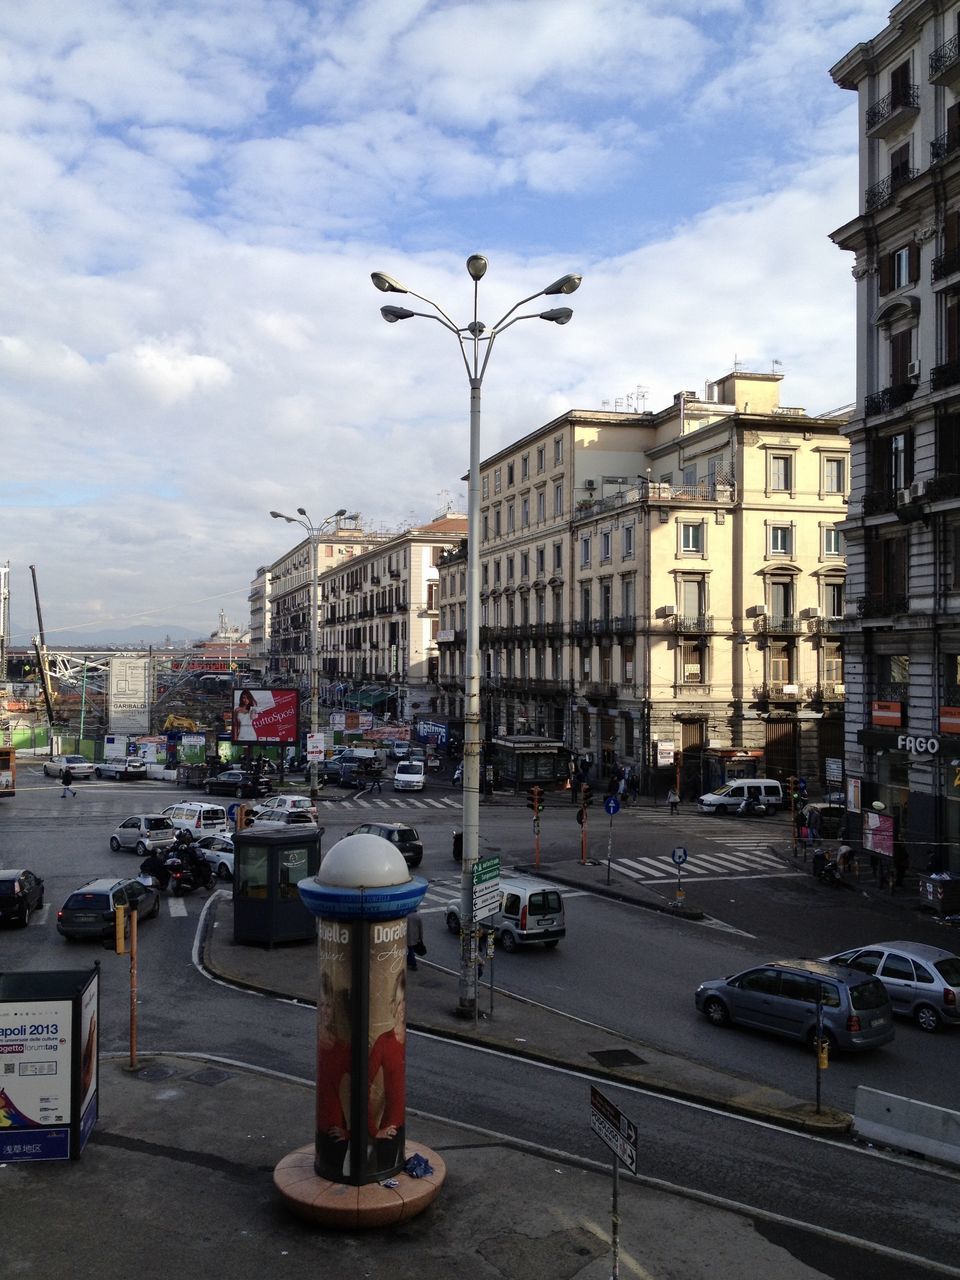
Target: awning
<point>373,697</point>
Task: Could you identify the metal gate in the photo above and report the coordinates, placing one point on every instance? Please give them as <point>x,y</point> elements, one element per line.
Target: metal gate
<point>780,748</point>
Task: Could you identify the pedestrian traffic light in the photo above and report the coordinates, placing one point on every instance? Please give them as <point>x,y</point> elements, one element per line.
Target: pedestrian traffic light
<point>586,795</point>
<point>535,799</point>
<point>245,817</point>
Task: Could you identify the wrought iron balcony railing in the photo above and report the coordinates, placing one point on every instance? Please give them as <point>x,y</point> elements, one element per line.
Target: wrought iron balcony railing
<point>882,605</point>
<point>945,375</point>
<point>881,193</point>
<point>946,58</point>
<point>889,398</point>
<point>944,146</point>
<point>904,98</point>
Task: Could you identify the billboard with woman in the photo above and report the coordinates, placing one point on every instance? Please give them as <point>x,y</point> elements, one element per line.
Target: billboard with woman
<point>265,715</point>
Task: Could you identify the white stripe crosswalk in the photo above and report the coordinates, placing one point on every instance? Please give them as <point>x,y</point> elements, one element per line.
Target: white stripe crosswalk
<point>733,863</point>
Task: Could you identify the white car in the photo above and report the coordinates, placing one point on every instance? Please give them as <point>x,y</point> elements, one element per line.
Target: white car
<point>409,775</point>
<point>273,806</point>
<point>218,851</point>
<point>79,766</point>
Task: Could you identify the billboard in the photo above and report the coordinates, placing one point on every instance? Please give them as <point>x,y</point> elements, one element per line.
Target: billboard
<point>129,685</point>
<point>265,715</point>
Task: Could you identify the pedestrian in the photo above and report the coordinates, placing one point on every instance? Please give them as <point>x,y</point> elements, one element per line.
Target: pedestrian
<point>673,800</point>
<point>375,782</point>
<point>415,944</point>
<point>67,778</point>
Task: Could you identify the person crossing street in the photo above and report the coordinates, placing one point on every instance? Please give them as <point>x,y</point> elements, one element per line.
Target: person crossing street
<point>67,778</point>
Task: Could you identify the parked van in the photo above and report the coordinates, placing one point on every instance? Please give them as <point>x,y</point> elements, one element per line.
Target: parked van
<point>728,799</point>
<point>530,911</point>
<point>409,775</point>
<point>197,818</point>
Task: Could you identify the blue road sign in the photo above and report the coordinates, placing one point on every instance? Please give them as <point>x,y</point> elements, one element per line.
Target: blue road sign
<point>679,855</point>
<point>232,812</point>
<point>612,805</point>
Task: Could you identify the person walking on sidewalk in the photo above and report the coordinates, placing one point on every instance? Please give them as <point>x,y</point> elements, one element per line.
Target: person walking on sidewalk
<point>67,778</point>
<point>673,800</point>
<point>415,944</point>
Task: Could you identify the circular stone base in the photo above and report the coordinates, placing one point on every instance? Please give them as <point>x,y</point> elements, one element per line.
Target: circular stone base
<point>338,1204</point>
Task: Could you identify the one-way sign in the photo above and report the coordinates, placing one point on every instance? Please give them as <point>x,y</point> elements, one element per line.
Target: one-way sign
<point>614,1128</point>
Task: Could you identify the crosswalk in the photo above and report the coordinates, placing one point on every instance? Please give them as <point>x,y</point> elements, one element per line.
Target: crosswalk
<point>440,893</point>
<point>738,859</point>
<point>449,804</point>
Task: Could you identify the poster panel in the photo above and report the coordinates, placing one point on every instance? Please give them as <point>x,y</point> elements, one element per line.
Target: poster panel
<point>387,1042</point>
<point>265,715</point>
<point>35,1058</point>
<point>334,1049</point>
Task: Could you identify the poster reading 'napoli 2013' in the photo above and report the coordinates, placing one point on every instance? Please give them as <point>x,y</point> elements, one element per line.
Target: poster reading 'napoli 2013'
<point>265,715</point>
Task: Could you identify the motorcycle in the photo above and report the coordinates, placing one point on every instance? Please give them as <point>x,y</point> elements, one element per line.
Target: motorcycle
<point>185,876</point>
<point>826,870</point>
<point>752,809</point>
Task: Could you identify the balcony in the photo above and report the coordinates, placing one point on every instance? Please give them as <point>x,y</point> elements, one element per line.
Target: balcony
<point>599,692</point>
<point>880,503</point>
<point>945,265</point>
<point>715,491</point>
<point>776,691</point>
<point>694,623</point>
<point>943,147</point>
<point>889,398</point>
<point>830,691</point>
<point>777,625</point>
<point>626,625</point>
<point>943,486</point>
<point>828,626</point>
<point>944,64</point>
<point>945,375</point>
<point>882,193</point>
<point>882,605</point>
<point>899,106</point>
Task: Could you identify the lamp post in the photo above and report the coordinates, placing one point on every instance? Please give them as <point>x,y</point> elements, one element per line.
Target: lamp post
<point>313,532</point>
<point>475,359</point>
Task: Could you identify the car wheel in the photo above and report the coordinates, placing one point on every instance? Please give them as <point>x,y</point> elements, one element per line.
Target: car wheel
<point>114,844</point>
<point>508,941</point>
<point>141,849</point>
<point>208,789</point>
<point>720,810</point>
<point>25,916</point>
<point>716,1011</point>
<point>155,909</point>
<point>223,872</point>
<point>239,793</point>
<point>98,773</point>
<point>453,922</point>
<point>415,862</point>
<point>927,1017</point>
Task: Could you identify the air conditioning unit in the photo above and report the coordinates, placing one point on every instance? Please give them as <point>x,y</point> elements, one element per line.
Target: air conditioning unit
<point>759,610</point>
<point>903,498</point>
<point>589,484</point>
<point>669,610</point>
<point>918,490</point>
<point>814,611</point>
<point>913,371</point>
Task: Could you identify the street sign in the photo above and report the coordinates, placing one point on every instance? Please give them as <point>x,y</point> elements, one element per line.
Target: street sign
<point>679,856</point>
<point>485,869</point>
<point>486,887</point>
<point>232,811</point>
<point>315,746</point>
<point>614,1128</point>
<point>612,805</point>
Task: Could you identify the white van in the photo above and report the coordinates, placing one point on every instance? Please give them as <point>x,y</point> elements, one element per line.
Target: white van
<point>728,799</point>
<point>409,775</point>
<point>530,911</point>
<point>197,818</point>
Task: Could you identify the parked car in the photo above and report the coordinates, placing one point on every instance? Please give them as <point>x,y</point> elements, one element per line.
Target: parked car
<point>530,911</point>
<point>409,775</point>
<point>144,833</point>
<point>729,798</point>
<point>922,982</point>
<point>79,766</point>
<point>284,818</point>
<point>21,892</point>
<point>89,912</point>
<point>121,769</point>
<point>782,997</point>
<point>283,804</point>
<point>218,851</point>
<point>197,818</point>
<point>239,783</point>
<point>406,838</point>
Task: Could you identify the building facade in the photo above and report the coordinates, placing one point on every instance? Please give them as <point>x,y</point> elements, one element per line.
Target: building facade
<point>903,530</point>
<point>657,587</point>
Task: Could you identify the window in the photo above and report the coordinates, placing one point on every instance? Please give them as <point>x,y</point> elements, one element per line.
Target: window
<point>691,539</point>
<point>892,462</point>
<point>691,657</point>
<point>485,488</point>
<point>834,475</point>
<point>606,600</point>
<point>541,562</point>
<point>585,551</point>
<point>511,524</point>
<point>692,591</point>
<point>541,458</point>
<point>496,573</point>
<point>510,563</point>
<point>605,540</point>
<point>781,655</point>
<point>833,599</point>
<point>524,565</point>
<point>496,480</point>
<point>781,540</point>
<point>525,467</point>
<point>900,165</point>
<point>781,472</point>
<point>832,657</point>
<point>627,664</point>
<point>585,602</point>
<point>627,593</point>
<point>781,601</point>
<point>509,473</point>
<point>689,474</point>
<point>628,534</point>
<point>497,530</point>
<point>525,513</point>
<point>901,353</point>
<point>557,451</point>
<point>833,542</point>
<point>485,575</point>
<point>558,499</point>
<point>486,527</point>
<point>541,506</point>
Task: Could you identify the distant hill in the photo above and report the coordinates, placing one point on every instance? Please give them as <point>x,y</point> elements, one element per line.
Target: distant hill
<point>108,638</point>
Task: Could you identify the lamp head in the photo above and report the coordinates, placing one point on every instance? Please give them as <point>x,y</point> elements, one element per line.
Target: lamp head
<point>341,512</point>
<point>275,515</point>
<point>387,284</point>
<point>558,315</point>
<point>566,284</point>
<point>300,511</point>
<point>477,266</point>
<point>393,314</point>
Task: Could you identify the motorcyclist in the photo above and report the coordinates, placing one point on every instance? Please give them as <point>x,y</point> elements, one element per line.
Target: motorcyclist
<point>153,865</point>
<point>192,858</point>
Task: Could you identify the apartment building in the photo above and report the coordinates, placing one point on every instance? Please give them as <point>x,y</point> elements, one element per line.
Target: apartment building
<point>658,587</point>
<point>903,530</point>
<point>379,616</point>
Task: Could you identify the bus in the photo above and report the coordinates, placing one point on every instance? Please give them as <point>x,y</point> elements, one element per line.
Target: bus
<point>8,771</point>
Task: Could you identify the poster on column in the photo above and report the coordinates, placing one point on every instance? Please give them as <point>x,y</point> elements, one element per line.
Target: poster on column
<point>386,1037</point>
<point>335,951</point>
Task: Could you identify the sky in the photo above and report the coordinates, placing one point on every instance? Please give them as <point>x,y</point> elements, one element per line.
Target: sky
<point>193,196</point>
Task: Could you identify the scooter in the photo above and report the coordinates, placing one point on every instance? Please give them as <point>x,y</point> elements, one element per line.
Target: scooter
<point>185,877</point>
<point>752,809</point>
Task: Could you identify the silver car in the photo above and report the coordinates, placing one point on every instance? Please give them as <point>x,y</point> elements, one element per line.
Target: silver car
<point>218,851</point>
<point>144,833</point>
<point>79,766</point>
<point>784,995</point>
<point>922,982</point>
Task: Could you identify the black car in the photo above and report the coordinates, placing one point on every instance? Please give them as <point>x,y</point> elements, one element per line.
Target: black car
<point>239,783</point>
<point>406,838</point>
<point>89,911</point>
<point>21,892</point>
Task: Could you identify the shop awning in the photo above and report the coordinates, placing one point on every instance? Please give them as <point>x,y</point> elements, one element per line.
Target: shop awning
<point>373,697</point>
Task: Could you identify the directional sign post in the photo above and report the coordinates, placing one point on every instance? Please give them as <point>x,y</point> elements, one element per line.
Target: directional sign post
<point>620,1134</point>
<point>611,806</point>
<point>485,878</point>
<point>679,857</point>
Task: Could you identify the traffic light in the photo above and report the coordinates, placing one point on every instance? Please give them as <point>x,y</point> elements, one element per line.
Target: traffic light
<point>245,817</point>
<point>586,795</point>
<point>535,799</point>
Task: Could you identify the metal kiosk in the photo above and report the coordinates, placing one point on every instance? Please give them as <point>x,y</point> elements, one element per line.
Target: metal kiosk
<point>268,866</point>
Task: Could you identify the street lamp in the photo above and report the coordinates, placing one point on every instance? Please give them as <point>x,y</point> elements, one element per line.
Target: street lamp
<point>470,338</point>
<point>313,532</point>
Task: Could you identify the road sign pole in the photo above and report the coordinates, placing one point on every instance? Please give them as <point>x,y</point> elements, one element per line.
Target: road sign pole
<point>536,842</point>
<point>609,847</point>
<point>615,1222</point>
<point>583,838</point>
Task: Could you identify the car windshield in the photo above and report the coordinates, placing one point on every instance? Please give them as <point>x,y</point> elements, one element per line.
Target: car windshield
<point>158,824</point>
<point>723,791</point>
<point>949,970</point>
<point>868,995</point>
<point>406,834</point>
